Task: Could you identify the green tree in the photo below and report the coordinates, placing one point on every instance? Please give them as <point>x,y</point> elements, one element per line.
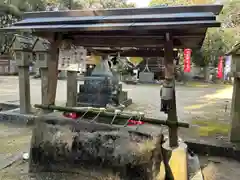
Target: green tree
<point>92,4</point>
<point>230,15</point>
<point>115,4</point>
<point>11,10</point>
<point>217,40</point>
<point>178,2</point>
<point>213,46</point>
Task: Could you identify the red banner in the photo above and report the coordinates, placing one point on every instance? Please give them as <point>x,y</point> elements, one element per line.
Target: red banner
<point>187,60</point>
<point>220,68</point>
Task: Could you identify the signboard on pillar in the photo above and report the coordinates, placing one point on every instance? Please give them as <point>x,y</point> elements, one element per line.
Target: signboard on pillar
<point>73,59</point>
<point>187,60</point>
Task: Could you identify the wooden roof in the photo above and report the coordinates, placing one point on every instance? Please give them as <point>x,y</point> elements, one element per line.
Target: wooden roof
<point>132,27</point>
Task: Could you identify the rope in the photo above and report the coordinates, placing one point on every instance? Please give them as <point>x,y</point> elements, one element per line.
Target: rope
<point>133,114</point>
<point>141,114</point>
<point>101,110</point>
<point>88,109</point>
<point>117,112</point>
<point>146,69</point>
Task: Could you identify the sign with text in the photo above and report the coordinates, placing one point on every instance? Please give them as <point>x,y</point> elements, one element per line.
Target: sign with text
<point>187,60</point>
<point>73,59</point>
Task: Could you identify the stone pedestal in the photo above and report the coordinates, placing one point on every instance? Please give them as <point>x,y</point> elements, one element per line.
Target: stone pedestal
<point>95,92</point>
<point>101,88</point>
<point>24,89</point>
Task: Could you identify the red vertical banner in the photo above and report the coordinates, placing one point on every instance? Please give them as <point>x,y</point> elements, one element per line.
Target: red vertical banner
<point>187,60</point>
<point>220,68</point>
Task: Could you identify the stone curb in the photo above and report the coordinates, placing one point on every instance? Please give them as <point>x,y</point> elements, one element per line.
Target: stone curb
<point>227,151</point>
<point>8,106</point>
<point>17,118</point>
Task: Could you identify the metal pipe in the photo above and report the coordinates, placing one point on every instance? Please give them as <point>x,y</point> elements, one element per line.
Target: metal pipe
<point>95,111</point>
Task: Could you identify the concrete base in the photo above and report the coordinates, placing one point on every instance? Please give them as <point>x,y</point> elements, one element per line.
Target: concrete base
<point>224,150</point>
<point>8,106</point>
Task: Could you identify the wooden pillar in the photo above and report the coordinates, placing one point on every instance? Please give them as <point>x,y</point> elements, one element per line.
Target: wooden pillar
<point>53,66</point>
<point>170,79</point>
<point>71,88</point>
<point>235,110</point>
<point>24,89</point>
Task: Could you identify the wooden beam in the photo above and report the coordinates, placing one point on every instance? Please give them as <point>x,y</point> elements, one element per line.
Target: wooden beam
<point>53,69</point>
<point>129,39</point>
<point>115,42</point>
<point>131,52</point>
<point>44,87</point>
<point>170,80</point>
<point>71,88</point>
<point>129,36</point>
<point>200,32</point>
<point>132,41</point>
<point>168,61</point>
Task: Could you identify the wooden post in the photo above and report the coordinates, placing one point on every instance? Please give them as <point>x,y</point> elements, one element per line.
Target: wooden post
<point>53,73</point>
<point>169,79</point>
<point>235,110</point>
<point>24,89</point>
<point>71,88</point>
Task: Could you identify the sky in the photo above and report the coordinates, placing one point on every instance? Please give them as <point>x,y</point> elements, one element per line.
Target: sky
<point>140,3</point>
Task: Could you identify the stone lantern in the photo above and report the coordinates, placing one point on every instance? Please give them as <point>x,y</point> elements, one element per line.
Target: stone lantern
<point>41,49</point>
<point>22,51</point>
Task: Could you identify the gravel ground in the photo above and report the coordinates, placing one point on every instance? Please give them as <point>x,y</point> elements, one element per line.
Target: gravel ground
<point>145,97</point>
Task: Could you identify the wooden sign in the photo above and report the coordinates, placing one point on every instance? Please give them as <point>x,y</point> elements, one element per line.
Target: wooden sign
<point>73,59</point>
